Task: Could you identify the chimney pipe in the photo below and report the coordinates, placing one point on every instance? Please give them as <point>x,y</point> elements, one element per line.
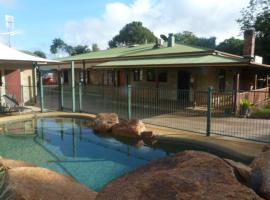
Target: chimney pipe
<point>249,43</point>
<point>171,40</point>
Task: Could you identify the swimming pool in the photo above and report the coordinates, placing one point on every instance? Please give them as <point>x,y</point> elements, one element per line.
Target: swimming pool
<point>69,146</point>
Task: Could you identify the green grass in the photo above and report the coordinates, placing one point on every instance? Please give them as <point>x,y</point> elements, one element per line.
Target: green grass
<point>263,113</point>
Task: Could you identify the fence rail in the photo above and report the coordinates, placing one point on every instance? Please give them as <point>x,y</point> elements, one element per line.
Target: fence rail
<point>211,112</point>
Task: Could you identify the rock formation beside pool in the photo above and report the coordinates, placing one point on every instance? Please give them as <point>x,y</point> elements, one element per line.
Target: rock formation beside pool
<point>32,183</point>
<point>104,122</point>
<point>186,175</point>
<point>129,129</point>
<point>260,174</point>
<point>109,123</point>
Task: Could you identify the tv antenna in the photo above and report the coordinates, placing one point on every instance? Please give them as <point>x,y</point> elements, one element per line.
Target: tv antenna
<point>10,26</point>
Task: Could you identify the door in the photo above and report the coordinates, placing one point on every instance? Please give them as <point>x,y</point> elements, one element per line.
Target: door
<point>183,85</point>
<point>13,86</point>
<point>122,78</point>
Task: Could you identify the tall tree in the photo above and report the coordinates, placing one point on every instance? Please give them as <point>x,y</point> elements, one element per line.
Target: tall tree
<point>132,33</point>
<point>250,13</point>
<point>95,47</point>
<point>57,44</point>
<point>187,37</point>
<point>79,49</point>
<point>231,45</point>
<point>40,54</point>
<point>257,15</point>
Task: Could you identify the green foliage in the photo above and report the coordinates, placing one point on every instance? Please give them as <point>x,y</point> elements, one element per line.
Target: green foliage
<point>164,37</point>
<point>231,45</point>
<point>257,15</point>
<point>132,33</point>
<point>59,45</point>
<point>263,113</point>
<point>250,13</point>
<point>40,54</point>
<point>79,49</point>
<point>245,103</point>
<point>262,27</point>
<point>95,47</point>
<point>189,38</point>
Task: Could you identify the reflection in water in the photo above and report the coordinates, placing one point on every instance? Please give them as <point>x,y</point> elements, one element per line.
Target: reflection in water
<point>69,146</point>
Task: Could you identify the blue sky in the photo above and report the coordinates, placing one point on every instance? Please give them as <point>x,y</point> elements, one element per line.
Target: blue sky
<point>88,22</point>
<point>39,21</point>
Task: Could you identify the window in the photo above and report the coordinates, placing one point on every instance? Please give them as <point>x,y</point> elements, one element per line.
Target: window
<point>151,75</point>
<point>222,80</point>
<point>138,75</point>
<point>162,76</point>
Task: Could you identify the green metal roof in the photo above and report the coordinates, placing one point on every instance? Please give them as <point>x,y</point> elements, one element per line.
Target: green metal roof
<point>208,59</point>
<point>140,50</point>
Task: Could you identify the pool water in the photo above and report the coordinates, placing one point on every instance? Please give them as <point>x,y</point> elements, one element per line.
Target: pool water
<point>69,146</point>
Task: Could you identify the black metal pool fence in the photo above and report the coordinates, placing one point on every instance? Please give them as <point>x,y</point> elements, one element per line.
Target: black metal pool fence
<point>206,112</point>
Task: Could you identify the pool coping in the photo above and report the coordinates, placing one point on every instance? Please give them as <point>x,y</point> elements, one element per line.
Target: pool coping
<point>242,148</point>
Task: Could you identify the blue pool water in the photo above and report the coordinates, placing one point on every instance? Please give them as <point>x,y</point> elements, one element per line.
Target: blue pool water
<point>68,146</point>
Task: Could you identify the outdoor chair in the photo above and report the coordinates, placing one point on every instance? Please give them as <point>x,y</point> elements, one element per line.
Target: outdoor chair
<point>11,105</point>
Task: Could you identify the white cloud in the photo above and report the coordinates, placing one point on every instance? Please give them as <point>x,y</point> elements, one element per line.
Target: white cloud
<point>203,17</point>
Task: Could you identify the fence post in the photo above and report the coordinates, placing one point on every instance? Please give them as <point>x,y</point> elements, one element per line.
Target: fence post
<point>129,101</point>
<point>62,93</point>
<point>41,92</point>
<point>209,108</point>
<point>22,97</point>
<point>80,97</point>
<point>73,86</point>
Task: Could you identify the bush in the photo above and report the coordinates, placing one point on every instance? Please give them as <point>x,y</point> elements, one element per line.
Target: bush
<point>263,113</point>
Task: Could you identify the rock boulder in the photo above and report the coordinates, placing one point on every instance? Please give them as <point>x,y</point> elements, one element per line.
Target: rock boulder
<point>15,163</point>
<point>130,129</point>
<point>32,183</point>
<point>186,175</point>
<point>104,122</point>
<point>260,174</point>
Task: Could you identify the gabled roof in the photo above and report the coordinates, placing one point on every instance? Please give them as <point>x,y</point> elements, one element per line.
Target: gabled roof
<point>170,61</point>
<point>146,56</point>
<point>140,50</point>
<point>10,55</point>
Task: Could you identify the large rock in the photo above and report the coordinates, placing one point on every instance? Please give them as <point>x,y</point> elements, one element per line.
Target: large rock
<point>260,174</point>
<point>130,129</point>
<point>242,171</point>
<point>32,183</point>
<point>15,163</point>
<point>104,122</point>
<point>186,175</point>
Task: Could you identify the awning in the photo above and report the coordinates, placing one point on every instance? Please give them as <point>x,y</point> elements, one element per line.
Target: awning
<point>167,61</point>
<point>9,55</point>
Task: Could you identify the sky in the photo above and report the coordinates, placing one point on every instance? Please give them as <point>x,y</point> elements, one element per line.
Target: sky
<point>86,22</point>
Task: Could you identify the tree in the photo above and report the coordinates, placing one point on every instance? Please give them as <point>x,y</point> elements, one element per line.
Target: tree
<point>164,37</point>
<point>257,15</point>
<point>57,44</point>
<point>231,45</point>
<point>251,12</point>
<point>262,27</point>
<point>95,47</point>
<point>40,54</point>
<point>79,49</point>
<point>189,38</point>
<point>132,33</point>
